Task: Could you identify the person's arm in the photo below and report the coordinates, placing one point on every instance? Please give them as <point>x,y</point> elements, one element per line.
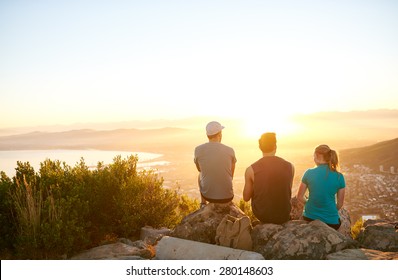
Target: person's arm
<point>340,198</point>
<point>301,192</point>
<point>195,160</point>
<point>197,166</point>
<point>233,169</point>
<point>293,170</point>
<point>248,188</point>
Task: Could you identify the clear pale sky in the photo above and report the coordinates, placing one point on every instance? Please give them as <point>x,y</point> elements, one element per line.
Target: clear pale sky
<point>63,62</point>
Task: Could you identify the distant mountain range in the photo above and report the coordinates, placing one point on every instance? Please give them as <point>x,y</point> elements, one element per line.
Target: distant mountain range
<point>341,130</point>
<point>384,153</point>
<point>369,125</point>
<point>151,140</point>
<point>345,130</point>
<point>188,123</point>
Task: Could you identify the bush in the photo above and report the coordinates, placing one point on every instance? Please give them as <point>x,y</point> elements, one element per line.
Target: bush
<point>247,209</point>
<point>49,217</point>
<point>7,228</point>
<point>187,205</point>
<point>356,228</point>
<point>62,210</point>
<point>143,202</point>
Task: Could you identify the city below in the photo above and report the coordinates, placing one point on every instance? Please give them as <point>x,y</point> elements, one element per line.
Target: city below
<point>371,195</point>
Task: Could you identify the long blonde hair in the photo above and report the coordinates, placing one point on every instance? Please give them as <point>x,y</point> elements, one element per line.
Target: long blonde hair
<point>330,156</point>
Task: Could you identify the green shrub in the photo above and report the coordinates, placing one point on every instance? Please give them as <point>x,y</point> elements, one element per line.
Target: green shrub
<point>187,205</point>
<point>27,206</point>
<point>247,209</point>
<point>143,201</point>
<point>62,210</point>
<point>7,228</point>
<point>50,221</point>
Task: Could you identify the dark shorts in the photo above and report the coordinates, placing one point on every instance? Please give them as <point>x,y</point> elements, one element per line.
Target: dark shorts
<point>335,226</point>
<point>225,200</point>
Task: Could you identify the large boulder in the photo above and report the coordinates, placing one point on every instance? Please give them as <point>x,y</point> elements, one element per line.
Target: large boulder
<point>379,235</point>
<point>122,250</point>
<point>299,240</point>
<point>202,224</point>
<point>262,233</point>
<point>362,254</point>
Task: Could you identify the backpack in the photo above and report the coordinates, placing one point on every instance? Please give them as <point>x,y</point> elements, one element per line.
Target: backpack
<point>234,232</point>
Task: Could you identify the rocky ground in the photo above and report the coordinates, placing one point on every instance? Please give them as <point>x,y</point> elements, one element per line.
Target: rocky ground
<point>296,239</point>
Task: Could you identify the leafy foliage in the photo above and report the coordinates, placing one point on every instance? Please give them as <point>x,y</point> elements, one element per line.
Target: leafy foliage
<point>247,209</point>
<point>356,228</point>
<point>7,227</point>
<point>61,210</point>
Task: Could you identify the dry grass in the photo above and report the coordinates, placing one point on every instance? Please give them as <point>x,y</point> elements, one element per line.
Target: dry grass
<point>28,203</point>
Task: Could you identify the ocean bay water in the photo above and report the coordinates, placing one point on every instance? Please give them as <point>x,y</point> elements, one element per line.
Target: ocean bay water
<point>8,159</point>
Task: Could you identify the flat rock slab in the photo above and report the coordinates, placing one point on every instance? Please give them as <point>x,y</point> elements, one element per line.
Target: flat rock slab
<point>170,248</point>
<point>117,251</point>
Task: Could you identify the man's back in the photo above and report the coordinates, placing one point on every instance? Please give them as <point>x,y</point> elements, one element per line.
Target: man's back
<point>273,177</point>
<point>215,161</point>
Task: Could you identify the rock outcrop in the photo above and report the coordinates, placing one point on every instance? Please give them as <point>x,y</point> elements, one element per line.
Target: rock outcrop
<point>123,249</point>
<point>293,240</point>
<point>379,235</point>
<point>362,254</point>
<point>202,224</point>
<point>299,240</point>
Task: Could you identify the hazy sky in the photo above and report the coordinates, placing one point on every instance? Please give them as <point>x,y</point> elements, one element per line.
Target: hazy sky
<point>63,62</point>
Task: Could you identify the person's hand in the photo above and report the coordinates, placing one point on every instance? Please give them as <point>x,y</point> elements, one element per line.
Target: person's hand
<point>300,201</point>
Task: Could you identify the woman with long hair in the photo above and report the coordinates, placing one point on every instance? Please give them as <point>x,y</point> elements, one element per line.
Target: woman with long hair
<point>324,183</point>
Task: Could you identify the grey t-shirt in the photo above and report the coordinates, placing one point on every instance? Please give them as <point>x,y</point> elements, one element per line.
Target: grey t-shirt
<point>215,161</point>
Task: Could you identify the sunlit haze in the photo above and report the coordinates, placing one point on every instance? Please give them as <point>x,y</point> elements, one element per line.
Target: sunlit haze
<point>65,62</point>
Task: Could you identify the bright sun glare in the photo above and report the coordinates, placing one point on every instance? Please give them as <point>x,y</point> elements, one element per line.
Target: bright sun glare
<point>254,126</point>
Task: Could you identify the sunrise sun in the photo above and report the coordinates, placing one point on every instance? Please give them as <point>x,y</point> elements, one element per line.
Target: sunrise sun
<point>254,126</point>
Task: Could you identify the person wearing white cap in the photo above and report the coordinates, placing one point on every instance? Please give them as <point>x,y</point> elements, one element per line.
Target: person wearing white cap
<point>216,164</point>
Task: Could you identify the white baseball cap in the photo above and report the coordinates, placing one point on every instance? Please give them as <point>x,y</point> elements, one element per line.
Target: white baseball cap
<point>213,128</point>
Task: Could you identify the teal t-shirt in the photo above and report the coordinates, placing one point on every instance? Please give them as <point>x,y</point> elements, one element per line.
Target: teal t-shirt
<point>323,185</point>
